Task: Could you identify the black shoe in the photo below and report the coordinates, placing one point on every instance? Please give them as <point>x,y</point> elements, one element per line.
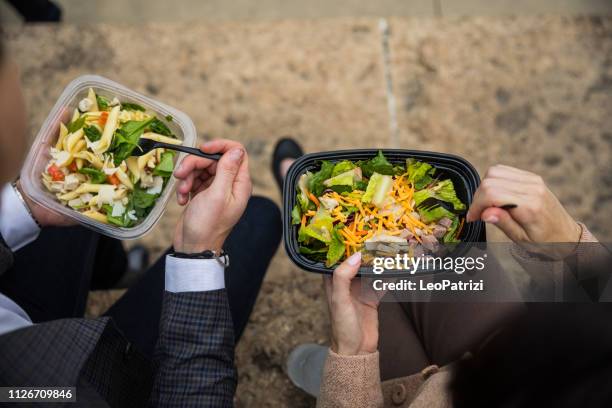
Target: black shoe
<point>286,148</point>
<point>36,11</point>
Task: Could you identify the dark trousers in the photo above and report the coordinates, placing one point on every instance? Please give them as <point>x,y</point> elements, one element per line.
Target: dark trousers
<point>416,335</point>
<point>52,276</point>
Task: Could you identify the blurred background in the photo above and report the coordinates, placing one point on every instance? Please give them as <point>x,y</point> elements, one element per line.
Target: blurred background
<point>524,83</point>
<point>138,11</point>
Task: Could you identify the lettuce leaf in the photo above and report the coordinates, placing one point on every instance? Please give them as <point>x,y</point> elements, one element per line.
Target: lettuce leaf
<point>434,214</point>
<point>310,251</point>
<point>379,164</point>
<point>361,185</point>
<point>348,178</point>
<point>296,215</point>
<point>302,196</point>
<point>419,173</point>
<point>342,167</point>
<point>315,183</point>
<point>336,248</point>
<point>320,227</point>
<point>445,190</point>
<point>378,189</point>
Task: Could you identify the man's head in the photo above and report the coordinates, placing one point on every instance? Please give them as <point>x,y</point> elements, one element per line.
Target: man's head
<point>13,125</point>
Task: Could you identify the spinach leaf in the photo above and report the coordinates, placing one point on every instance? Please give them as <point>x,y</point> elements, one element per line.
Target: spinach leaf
<point>92,133</point>
<point>132,107</point>
<point>126,139</point>
<point>159,127</point>
<point>119,220</point>
<point>165,166</point>
<point>103,102</point>
<point>95,176</point>
<point>142,200</point>
<point>76,125</point>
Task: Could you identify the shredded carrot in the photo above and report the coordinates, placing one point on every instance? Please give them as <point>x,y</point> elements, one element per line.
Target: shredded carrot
<point>314,199</point>
<point>303,220</point>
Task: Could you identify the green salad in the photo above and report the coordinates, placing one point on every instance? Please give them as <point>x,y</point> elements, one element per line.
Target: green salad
<point>376,207</point>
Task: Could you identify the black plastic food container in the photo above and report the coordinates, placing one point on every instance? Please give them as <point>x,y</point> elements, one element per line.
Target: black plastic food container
<point>464,176</point>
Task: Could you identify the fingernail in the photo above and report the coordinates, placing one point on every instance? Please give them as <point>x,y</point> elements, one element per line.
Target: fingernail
<point>491,219</point>
<point>236,154</point>
<point>354,259</point>
<point>179,167</point>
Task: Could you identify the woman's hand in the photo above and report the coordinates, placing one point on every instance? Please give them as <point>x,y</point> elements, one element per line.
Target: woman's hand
<point>216,195</point>
<point>538,217</point>
<point>44,216</point>
<point>354,316</point>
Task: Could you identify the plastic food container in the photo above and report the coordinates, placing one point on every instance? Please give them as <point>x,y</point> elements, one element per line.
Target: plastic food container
<point>39,154</point>
<point>464,176</point>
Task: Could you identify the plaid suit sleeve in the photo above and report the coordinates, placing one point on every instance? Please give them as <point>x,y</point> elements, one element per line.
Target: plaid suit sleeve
<point>195,351</point>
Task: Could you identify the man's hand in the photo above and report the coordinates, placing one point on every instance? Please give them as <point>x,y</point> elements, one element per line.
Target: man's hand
<point>354,316</point>
<point>539,216</point>
<point>44,216</point>
<point>219,194</point>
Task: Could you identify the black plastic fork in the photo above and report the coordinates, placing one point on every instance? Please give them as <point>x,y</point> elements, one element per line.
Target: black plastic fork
<point>146,145</point>
<point>432,203</point>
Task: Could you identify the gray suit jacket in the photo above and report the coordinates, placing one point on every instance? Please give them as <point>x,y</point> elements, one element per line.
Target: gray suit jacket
<point>193,367</point>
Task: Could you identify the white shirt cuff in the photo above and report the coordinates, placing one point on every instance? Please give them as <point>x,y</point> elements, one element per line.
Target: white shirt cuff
<point>17,226</point>
<point>194,275</point>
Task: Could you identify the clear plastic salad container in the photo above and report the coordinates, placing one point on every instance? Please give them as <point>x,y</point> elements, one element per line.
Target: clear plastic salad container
<point>39,155</point>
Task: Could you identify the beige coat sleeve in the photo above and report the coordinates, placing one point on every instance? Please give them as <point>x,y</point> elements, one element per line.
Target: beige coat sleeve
<point>351,381</point>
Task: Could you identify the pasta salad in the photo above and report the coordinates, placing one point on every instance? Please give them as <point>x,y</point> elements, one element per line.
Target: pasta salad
<point>92,169</point>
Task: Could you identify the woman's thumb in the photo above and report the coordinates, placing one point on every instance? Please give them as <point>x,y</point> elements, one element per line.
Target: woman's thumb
<point>344,274</point>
